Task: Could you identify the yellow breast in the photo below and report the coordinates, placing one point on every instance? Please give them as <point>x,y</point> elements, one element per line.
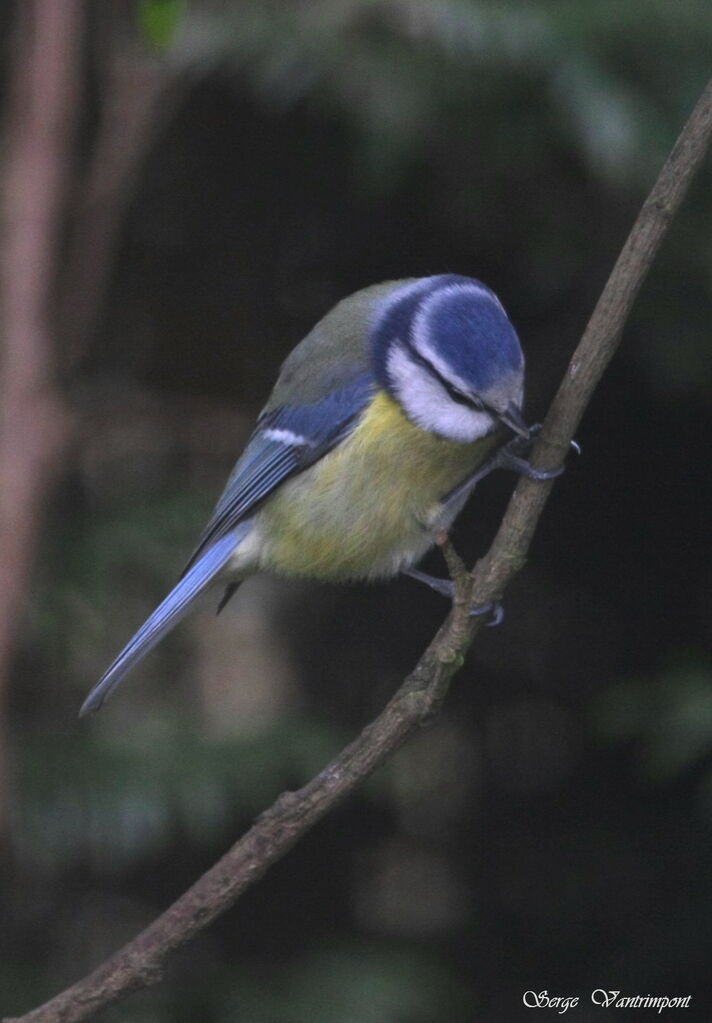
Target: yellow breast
<point>370,507</point>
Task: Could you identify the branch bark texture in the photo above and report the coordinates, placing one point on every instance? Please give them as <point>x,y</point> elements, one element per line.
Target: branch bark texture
<point>139,963</point>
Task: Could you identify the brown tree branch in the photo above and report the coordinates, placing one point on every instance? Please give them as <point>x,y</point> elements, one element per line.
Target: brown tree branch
<point>596,349</point>
<point>33,421</point>
<point>139,963</point>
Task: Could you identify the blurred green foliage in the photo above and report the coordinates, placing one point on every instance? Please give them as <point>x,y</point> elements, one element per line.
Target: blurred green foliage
<point>668,716</point>
<point>89,804</point>
<point>160,20</point>
<point>615,76</point>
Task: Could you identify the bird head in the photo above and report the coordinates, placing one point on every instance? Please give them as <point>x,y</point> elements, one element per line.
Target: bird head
<point>444,349</point>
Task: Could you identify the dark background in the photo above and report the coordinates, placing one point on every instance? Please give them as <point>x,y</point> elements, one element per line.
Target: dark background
<point>553,829</point>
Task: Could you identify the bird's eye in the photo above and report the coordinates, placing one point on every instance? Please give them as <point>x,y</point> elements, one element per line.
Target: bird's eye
<point>453,392</point>
<point>471,400</point>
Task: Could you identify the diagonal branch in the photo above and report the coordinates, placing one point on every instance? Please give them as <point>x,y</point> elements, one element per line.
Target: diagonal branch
<point>139,963</point>
<point>596,348</point>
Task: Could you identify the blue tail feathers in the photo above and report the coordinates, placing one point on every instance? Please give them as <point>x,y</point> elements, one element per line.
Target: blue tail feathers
<point>166,615</point>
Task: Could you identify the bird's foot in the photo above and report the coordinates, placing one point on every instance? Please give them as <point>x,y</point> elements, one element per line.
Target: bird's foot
<point>446,588</point>
<point>511,456</point>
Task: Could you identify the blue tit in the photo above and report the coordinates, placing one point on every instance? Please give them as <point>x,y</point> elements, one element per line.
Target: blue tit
<point>381,422</point>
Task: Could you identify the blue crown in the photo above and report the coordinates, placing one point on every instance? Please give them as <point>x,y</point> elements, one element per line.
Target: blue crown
<point>460,318</point>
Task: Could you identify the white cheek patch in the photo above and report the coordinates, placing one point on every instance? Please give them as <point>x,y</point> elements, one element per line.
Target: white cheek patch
<point>427,404</point>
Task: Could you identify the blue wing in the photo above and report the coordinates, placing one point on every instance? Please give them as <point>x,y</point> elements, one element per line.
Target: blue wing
<point>166,615</point>
<point>286,441</point>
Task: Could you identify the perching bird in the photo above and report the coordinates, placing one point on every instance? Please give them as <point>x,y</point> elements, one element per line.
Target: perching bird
<point>380,424</point>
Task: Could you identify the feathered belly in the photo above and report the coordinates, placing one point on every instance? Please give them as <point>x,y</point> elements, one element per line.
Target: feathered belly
<point>370,507</point>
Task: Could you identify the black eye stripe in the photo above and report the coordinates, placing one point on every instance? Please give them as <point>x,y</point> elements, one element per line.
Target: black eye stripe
<point>452,392</point>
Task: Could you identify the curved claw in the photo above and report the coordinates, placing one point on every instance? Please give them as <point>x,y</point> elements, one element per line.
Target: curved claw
<point>510,457</point>
<point>494,607</point>
<point>537,428</point>
<point>446,588</point>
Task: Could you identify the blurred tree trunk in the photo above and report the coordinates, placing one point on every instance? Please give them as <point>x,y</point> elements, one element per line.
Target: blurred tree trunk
<point>49,303</point>
<point>137,93</point>
<point>34,424</point>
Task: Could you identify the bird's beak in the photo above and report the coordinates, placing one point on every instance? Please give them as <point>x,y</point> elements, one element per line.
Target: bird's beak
<point>512,417</point>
